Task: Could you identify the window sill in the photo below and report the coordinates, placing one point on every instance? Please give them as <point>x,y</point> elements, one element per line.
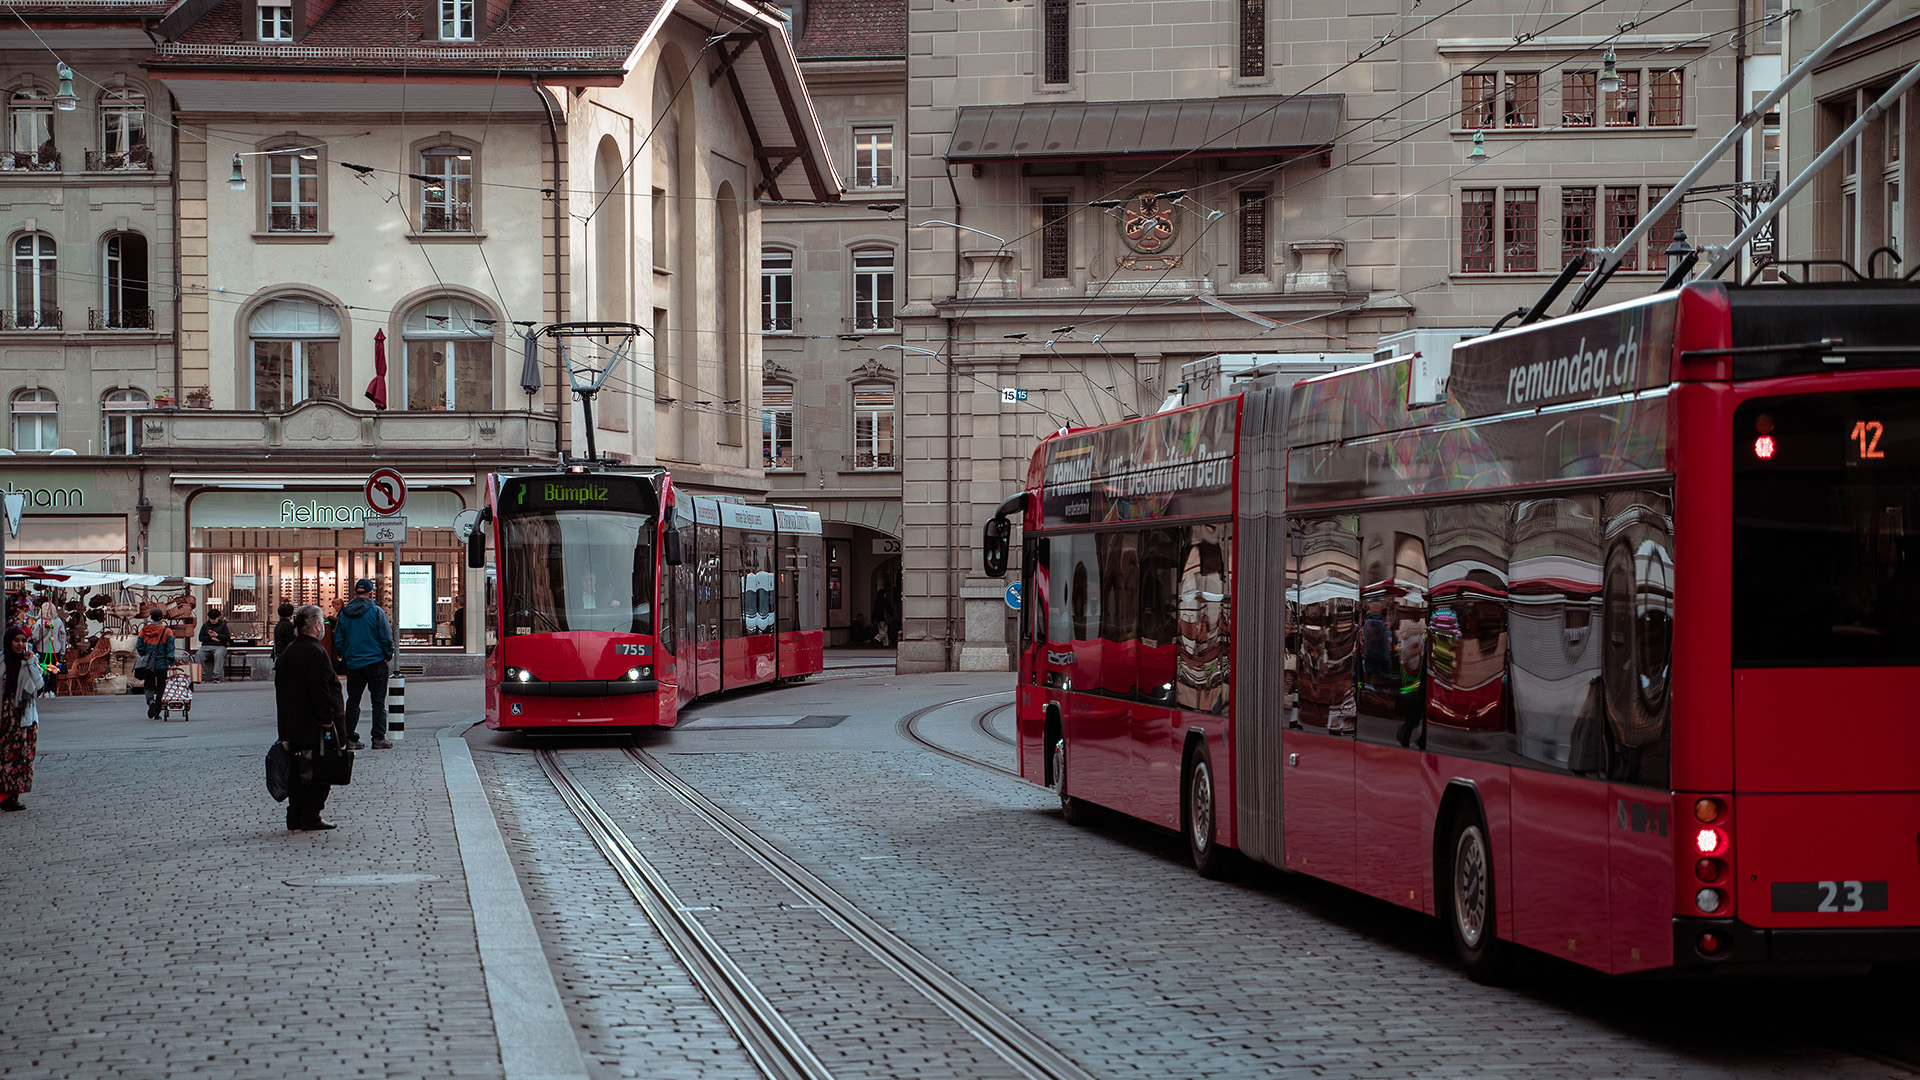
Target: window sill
<point>1541,275</point>
<point>293,238</point>
<point>1551,129</point>
<point>446,237</point>
<point>869,472</point>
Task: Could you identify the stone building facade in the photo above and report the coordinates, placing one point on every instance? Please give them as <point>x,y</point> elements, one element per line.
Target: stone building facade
<point>1100,191</point>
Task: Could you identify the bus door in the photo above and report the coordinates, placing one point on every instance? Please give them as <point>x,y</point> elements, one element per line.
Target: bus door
<point>1097,726</point>
<point>1393,803</point>
<point>1030,660</point>
<point>1323,600</point>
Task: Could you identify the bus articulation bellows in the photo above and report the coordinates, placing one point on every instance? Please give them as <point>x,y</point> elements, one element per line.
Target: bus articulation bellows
<point>1610,653</point>
<point>615,599</point>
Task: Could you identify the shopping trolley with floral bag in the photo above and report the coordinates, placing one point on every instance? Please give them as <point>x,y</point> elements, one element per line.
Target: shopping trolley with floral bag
<point>178,693</point>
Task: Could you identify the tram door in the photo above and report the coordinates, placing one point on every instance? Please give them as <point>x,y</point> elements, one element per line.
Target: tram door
<point>705,556</point>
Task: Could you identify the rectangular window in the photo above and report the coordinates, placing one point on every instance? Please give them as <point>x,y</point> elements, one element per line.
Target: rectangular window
<point>776,427</point>
<point>1058,42</point>
<point>1770,11</point>
<point>1623,105</point>
<point>873,289</point>
<point>293,191</point>
<point>446,203</point>
<point>776,291</point>
<point>1577,99</point>
<point>1521,103</point>
<point>1253,38</point>
<point>1895,130</point>
<point>1476,231</point>
<point>1664,106</point>
<point>456,20</point>
<point>1253,232</point>
<point>1054,258</point>
<point>1662,232</point>
<point>1522,224</point>
<point>872,157</point>
<point>1834,512</point>
<point>1476,100</point>
<point>873,426</point>
<point>1623,213</point>
<point>276,21</point>
<point>1576,224</point>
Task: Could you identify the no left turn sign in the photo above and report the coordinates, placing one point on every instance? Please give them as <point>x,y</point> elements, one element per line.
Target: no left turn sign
<point>386,492</point>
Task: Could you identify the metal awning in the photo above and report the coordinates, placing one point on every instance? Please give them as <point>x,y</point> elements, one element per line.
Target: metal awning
<point>1215,127</point>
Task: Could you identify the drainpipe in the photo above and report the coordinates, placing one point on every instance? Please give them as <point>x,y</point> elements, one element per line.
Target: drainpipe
<point>179,302</point>
<point>954,577</point>
<point>560,399</point>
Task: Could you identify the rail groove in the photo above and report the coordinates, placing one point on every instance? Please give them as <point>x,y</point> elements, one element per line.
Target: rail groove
<point>910,729</point>
<point>1020,1048</point>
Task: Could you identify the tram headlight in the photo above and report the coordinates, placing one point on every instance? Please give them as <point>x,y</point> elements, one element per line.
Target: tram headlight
<point>633,674</point>
<point>519,674</point>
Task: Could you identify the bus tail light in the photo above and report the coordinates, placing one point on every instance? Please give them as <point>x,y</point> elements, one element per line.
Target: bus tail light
<point>1709,841</point>
<point>1706,844</point>
<point>1709,901</point>
<point>1710,944</point>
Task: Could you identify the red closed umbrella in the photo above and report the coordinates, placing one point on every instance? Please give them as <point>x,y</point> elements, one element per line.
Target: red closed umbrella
<point>377,389</point>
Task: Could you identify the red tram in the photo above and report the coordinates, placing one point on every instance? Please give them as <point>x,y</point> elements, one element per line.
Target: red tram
<point>614,599</point>
<point>1608,653</point>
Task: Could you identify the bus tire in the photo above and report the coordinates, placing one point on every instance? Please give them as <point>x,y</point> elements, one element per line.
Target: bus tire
<point>1072,810</point>
<point>1197,816</point>
<point>1468,901</point>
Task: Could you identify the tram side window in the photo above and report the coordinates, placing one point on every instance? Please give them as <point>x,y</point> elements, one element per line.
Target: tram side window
<point>1203,668</point>
<point>1553,615</point>
<point>787,593</point>
<point>1323,605</point>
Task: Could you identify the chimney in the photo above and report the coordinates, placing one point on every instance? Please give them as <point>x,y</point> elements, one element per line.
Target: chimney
<point>307,15</point>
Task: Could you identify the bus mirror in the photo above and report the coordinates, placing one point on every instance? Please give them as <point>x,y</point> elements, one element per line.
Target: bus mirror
<point>670,547</point>
<point>477,548</point>
<point>997,539</point>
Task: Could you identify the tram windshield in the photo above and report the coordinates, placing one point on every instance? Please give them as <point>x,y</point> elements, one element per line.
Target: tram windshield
<point>576,555</point>
<point>1826,503</point>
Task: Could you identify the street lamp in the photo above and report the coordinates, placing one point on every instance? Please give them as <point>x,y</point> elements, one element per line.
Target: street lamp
<point>237,181</point>
<point>1609,72</point>
<point>65,100</point>
<point>909,348</point>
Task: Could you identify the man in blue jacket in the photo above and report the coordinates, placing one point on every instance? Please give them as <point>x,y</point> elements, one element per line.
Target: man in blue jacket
<point>364,639</point>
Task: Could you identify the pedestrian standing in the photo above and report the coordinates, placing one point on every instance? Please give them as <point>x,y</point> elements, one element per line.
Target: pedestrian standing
<point>19,720</point>
<point>282,632</point>
<point>215,636</point>
<point>308,696</point>
<point>155,660</point>
<point>365,641</point>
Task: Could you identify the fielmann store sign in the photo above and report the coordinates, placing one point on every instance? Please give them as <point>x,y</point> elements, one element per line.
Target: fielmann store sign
<point>311,509</point>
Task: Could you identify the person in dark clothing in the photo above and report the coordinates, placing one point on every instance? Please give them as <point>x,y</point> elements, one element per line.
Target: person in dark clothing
<point>365,641</point>
<point>156,658</point>
<point>310,708</point>
<point>282,632</point>
<point>215,636</point>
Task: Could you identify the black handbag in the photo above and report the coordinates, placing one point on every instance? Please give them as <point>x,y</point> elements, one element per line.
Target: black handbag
<point>334,763</point>
<point>279,771</point>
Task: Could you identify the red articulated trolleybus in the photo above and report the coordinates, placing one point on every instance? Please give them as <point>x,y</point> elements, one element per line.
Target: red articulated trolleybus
<point>1611,653</point>
<point>615,600</point>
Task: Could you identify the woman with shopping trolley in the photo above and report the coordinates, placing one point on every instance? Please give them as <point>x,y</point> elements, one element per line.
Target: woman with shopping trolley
<point>155,660</point>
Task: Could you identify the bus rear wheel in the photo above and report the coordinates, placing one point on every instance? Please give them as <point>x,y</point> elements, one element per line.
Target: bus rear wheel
<point>1073,810</point>
<point>1202,843</point>
<point>1469,898</point>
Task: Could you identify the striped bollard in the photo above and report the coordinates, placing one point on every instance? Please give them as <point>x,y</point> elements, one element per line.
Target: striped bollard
<point>397,707</point>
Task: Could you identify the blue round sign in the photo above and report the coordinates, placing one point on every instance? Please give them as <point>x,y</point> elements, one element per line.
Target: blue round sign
<point>1013,596</point>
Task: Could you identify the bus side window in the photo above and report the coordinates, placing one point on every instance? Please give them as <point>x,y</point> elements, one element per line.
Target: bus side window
<point>1159,614</point>
<point>1637,628</point>
<point>1204,664</point>
<point>1467,629</point>
<point>1556,580</point>
<point>1323,596</point>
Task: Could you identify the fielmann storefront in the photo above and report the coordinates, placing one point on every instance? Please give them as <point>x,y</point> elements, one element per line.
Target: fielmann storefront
<point>266,547</point>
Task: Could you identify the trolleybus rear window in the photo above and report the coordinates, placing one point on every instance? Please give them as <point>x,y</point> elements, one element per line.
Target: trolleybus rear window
<point>1826,504</point>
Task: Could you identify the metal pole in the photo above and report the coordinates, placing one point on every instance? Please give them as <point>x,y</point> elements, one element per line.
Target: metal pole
<point>1833,150</point>
<point>1610,259</point>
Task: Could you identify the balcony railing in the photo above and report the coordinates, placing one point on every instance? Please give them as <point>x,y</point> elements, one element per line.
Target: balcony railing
<point>138,159</point>
<point>866,460</point>
<point>42,319</point>
<point>120,319</point>
<point>873,321</point>
<point>777,325</point>
<point>446,219</point>
<point>290,219</point>
<point>42,160</point>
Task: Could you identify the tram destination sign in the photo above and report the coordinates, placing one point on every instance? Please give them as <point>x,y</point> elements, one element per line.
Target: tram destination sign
<point>1175,464</point>
<point>583,491</point>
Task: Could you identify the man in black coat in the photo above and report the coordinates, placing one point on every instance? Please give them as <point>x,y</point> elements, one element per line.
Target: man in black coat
<point>311,707</point>
<point>283,632</point>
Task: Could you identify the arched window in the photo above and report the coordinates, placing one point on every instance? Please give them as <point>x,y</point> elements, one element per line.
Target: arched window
<point>123,131</point>
<point>36,421</point>
<point>873,410</point>
<point>873,289</point>
<point>120,421</point>
<point>124,277</point>
<point>293,190</point>
<point>36,304</point>
<point>30,131</point>
<point>296,353</point>
<point>446,360</point>
<point>776,426</point>
<point>446,202</point>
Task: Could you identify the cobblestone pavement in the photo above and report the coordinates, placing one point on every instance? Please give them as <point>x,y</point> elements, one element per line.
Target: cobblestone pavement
<point>1106,943</point>
<point>165,924</point>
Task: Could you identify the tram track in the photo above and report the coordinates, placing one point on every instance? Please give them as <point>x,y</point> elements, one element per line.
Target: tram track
<point>776,1047</point>
<point>909,728</point>
<point>985,723</point>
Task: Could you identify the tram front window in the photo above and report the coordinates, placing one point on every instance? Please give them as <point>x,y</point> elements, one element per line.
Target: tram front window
<point>577,570</point>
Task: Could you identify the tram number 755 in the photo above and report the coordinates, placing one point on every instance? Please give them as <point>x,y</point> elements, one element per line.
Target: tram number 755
<point>1829,896</point>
